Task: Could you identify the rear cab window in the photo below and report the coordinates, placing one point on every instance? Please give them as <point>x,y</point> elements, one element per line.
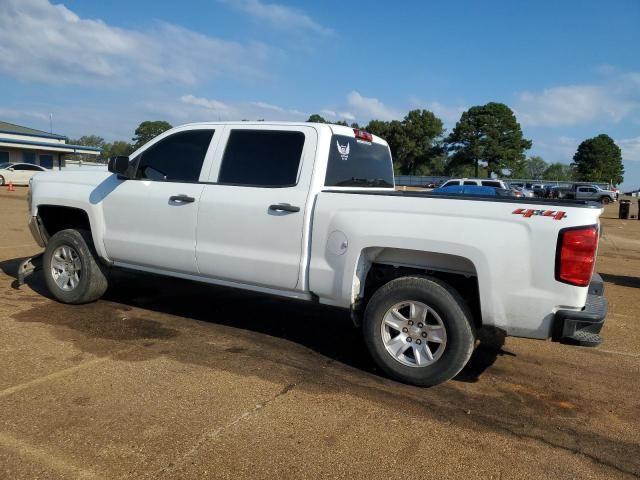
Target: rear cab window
<point>358,163</point>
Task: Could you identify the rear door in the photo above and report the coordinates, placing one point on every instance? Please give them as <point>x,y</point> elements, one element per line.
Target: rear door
<point>251,223</point>
<point>586,193</point>
<point>150,221</point>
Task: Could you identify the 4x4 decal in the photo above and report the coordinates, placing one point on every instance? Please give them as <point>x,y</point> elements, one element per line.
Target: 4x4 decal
<point>528,212</point>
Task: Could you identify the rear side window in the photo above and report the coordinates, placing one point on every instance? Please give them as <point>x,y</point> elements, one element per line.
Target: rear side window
<point>470,182</point>
<point>178,157</point>
<point>488,183</point>
<point>262,158</point>
<point>356,163</point>
<point>451,183</point>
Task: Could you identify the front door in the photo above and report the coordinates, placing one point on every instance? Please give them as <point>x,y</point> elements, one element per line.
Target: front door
<point>251,224</point>
<point>151,220</point>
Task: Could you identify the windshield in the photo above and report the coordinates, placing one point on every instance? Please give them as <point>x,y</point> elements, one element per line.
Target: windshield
<point>5,164</point>
<point>356,163</point>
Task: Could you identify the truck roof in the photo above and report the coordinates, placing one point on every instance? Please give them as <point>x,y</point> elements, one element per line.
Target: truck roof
<point>335,129</point>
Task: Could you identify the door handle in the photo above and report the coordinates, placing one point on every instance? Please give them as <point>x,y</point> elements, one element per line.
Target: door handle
<point>181,198</point>
<point>284,207</point>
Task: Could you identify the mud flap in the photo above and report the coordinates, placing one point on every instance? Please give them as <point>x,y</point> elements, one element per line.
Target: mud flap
<point>28,266</point>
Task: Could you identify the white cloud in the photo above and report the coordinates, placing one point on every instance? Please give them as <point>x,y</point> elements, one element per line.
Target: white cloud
<point>371,107</point>
<point>279,16</point>
<point>50,43</point>
<point>333,115</point>
<point>275,108</point>
<point>190,108</point>
<point>630,148</point>
<point>204,103</point>
<point>613,100</point>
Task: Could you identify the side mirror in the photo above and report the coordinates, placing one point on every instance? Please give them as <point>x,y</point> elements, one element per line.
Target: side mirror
<point>11,169</point>
<point>119,165</point>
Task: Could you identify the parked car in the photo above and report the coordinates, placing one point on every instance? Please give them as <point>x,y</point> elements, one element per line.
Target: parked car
<point>539,190</point>
<point>586,192</point>
<point>18,173</point>
<point>475,190</point>
<point>523,191</point>
<point>480,182</point>
<point>309,211</point>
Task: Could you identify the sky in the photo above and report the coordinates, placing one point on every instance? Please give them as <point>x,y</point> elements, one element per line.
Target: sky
<point>570,70</point>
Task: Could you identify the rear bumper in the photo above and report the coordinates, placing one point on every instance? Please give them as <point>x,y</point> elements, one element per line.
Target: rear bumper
<point>583,327</point>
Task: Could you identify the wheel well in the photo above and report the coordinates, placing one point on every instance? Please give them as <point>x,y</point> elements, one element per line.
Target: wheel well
<point>465,285</point>
<point>55,218</point>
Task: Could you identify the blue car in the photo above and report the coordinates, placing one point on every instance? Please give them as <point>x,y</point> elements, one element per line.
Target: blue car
<point>474,190</point>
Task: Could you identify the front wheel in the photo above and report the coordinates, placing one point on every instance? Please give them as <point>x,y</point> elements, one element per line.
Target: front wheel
<point>72,271</point>
<point>418,330</point>
<point>605,200</point>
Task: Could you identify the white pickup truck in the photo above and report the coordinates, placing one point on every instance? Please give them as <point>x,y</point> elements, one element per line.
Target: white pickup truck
<point>310,212</point>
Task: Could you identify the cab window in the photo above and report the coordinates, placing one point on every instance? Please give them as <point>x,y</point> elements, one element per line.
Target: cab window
<point>176,158</point>
<point>262,158</point>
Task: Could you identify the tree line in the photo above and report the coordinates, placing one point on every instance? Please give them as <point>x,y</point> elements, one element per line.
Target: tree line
<point>487,140</point>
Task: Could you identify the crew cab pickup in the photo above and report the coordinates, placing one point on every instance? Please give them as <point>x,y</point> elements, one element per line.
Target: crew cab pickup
<point>310,212</point>
<point>587,192</point>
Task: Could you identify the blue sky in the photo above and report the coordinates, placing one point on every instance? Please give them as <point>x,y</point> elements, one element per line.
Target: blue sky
<point>570,69</point>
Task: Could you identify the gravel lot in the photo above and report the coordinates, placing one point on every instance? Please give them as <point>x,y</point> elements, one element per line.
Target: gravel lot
<point>166,379</point>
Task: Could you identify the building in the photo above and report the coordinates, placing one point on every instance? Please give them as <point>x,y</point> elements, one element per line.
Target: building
<point>27,145</point>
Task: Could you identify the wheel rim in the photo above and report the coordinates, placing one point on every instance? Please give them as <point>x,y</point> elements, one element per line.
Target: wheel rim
<point>66,267</point>
<point>413,334</point>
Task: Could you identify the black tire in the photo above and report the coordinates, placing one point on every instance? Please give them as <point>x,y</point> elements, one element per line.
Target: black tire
<point>1,180</point>
<point>92,278</point>
<point>605,200</point>
<point>449,306</point>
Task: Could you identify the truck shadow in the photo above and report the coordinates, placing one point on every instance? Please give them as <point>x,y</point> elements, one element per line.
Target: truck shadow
<point>622,280</point>
<point>325,330</point>
<point>317,350</point>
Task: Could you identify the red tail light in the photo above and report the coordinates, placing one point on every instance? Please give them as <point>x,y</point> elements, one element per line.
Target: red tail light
<point>362,135</point>
<point>576,255</point>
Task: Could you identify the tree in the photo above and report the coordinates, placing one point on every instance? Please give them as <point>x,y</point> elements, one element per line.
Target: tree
<point>535,167</point>
<point>148,130</point>
<point>559,172</point>
<point>89,141</point>
<point>487,133</point>
<point>414,141</point>
<point>117,148</point>
<point>315,118</point>
<point>599,159</point>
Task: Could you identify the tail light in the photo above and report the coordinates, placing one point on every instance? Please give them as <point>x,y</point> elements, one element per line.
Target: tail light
<point>362,135</point>
<point>576,255</point>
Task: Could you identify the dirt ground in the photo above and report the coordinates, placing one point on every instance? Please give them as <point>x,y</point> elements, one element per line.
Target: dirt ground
<point>168,379</point>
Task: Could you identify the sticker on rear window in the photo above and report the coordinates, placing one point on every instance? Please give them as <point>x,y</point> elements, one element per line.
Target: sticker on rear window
<point>344,150</point>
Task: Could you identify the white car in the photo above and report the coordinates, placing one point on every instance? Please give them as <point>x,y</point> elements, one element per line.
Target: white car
<point>18,173</point>
<point>309,211</point>
<point>480,182</point>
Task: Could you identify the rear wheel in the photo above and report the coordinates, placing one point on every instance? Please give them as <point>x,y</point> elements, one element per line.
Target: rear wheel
<point>71,268</point>
<point>418,330</point>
